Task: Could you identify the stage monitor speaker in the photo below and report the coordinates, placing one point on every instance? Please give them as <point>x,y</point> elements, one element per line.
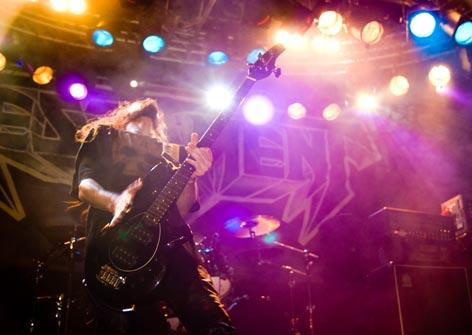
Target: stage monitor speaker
<point>418,300</point>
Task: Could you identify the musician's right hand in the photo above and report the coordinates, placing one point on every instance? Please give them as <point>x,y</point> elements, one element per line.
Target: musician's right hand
<point>122,203</point>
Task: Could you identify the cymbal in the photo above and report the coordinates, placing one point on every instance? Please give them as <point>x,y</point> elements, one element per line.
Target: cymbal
<point>256,226</point>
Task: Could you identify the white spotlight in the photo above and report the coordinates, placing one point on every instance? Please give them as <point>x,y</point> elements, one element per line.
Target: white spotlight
<point>439,75</point>
<point>330,22</point>
<point>399,85</point>
<point>282,37</point>
<point>219,97</point>
<point>296,111</point>
<point>332,112</point>
<point>77,6</point>
<point>59,5</point>
<point>366,102</point>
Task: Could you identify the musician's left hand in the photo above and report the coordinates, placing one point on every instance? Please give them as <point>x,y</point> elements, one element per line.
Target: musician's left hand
<point>201,158</point>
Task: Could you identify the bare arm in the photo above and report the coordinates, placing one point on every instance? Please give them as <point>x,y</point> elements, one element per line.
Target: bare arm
<point>96,196</point>
<point>118,204</point>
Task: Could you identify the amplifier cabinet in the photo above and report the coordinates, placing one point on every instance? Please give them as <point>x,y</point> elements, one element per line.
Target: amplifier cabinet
<point>410,237</point>
<point>418,300</point>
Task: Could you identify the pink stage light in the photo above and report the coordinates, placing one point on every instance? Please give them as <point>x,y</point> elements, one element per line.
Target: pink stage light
<point>78,91</point>
<point>258,110</point>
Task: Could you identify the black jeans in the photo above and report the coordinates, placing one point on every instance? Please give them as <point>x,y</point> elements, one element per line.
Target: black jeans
<point>188,291</point>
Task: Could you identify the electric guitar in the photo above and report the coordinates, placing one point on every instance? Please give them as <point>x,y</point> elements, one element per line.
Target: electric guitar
<point>126,262</point>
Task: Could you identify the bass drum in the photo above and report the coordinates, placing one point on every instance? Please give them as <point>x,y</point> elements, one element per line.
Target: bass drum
<point>216,264</point>
<point>222,285</point>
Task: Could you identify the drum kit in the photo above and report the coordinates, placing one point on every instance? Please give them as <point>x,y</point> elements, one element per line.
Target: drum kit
<point>264,257</point>
<point>261,254</point>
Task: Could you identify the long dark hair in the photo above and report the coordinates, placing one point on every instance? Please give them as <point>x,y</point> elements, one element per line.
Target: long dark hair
<point>119,117</point>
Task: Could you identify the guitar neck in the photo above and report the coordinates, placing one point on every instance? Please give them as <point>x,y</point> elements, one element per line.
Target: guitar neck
<point>217,126</point>
<point>178,181</point>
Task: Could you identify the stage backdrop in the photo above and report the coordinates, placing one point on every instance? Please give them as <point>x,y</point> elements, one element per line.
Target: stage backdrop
<point>302,172</point>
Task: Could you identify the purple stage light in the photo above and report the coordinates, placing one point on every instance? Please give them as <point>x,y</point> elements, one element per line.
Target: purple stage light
<point>258,110</point>
<point>78,91</point>
<point>233,225</point>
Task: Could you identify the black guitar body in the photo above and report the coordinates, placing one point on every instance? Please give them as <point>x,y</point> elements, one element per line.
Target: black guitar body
<point>125,263</point>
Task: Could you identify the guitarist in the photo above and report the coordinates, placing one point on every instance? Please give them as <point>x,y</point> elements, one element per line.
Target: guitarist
<point>116,151</point>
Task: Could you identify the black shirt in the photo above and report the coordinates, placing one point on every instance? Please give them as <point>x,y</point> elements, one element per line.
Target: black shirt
<point>114,159</point>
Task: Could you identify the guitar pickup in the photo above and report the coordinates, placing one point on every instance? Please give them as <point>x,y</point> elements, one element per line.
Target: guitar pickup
<point>110,277</point>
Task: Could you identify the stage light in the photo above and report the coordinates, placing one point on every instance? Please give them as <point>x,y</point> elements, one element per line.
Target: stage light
<point>422,23</point>
<point>77,6</point>
<point>78,91</point>
<point>366,102</point>
<point>271,238</point>
<point>153,43</point>
<point>102,38</point>
<point>370,32</point>
<point>399,85</point>
<point>133,83</point>
<point>458,27</point>
<point>463,35</point>
<point>59,5</point>
<point>253,56</point>
<point>326,44</point>
<point>283,37</point>
<point>296,111</point>
<point>439,76</point>
<point>217,58</point>
<point>43,75</point>
<point>258,110</point>
<point>332,112</point>
<point>219,97</point>
<point>233,225</point>
<point>3,61</point>
<point>330,22</point>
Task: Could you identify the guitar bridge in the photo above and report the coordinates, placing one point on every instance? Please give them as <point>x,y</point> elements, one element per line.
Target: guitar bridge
<point>110,277</point>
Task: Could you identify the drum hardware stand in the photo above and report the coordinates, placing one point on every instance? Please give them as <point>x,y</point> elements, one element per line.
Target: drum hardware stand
<point>308,257</point>
<point>71,247</point>
<point>294,319</point>
<point>310,307</point>
<point>38,274</point>
<point>61,298</point>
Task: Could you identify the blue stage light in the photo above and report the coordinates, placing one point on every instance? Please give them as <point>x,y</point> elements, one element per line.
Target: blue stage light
<point>153,43</point>
<point>422,23</point>
<point>254,55</point>
<point>217,58</point>
<point>463,35</point>
<point>102,38</point>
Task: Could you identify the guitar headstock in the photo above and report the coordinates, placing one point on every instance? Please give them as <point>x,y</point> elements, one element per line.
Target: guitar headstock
<point>265,64</point>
